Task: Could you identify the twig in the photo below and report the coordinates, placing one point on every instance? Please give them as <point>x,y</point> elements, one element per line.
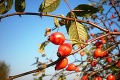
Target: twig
<point>58,16</point>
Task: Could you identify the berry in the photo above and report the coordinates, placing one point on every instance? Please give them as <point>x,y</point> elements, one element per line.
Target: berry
<point>93,63</point>
<point>98,44</point>
<point>57,38</point>
<point>112,16</point>
<point>105,54</point>
<point>92,34</point>
<point>110,77</point>
<point>84,77</point>
<point>98,53</point>
<point>77,69</point>
<point>115,30</point>
<point>108,59</point>
<point>97,78</point>
<point>82,53</point>
<point>71,67</point>
<point>64,50</point>
<point>61,64</point>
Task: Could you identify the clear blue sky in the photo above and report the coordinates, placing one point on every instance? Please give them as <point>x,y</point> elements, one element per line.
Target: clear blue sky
<point>20,36</point>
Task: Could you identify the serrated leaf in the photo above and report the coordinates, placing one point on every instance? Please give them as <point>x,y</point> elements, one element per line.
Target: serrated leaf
<point>56,22</point>
<point>20,5</point>
<point>77,32</point>
<point>49,5</point>
<point>5,6</point>
<point>85,10</point>
<point>42,46</point>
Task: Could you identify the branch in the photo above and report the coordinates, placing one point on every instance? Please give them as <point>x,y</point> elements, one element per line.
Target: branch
<point>58,16</point>
<point>114,8</point>
<point>33,71</point>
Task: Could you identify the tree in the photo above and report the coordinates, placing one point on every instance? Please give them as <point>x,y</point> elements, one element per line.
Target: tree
<point>4,70</point>
<point>79,22</point>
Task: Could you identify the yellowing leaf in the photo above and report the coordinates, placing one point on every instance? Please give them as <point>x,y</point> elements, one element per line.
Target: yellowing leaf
<point>42,46</point>
<point>5,6</point>
<point>49,5</point>
<point>56,22</point>
<point>47,31</point>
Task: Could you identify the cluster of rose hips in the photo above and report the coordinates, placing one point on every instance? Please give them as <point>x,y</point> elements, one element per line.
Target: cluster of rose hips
<point>64,50</point>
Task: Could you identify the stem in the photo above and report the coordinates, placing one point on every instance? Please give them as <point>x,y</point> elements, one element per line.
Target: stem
<point>58,16</point>
<point>33,71</point>
<point>68,5</point>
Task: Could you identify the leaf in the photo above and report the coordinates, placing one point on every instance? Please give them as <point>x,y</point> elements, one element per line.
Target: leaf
<point>56,22</point>
<point>77,32</point>
<point>47,31</point>
<point>62,77</point>
<point>42,46</point>
<point>85,10</point>
<point>20,5</point>
<point>68,22</point>
<point>5,6</point>
<point>49,5</point>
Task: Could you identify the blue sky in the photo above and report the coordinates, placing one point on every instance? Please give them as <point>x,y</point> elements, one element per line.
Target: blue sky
<point>20,36</point>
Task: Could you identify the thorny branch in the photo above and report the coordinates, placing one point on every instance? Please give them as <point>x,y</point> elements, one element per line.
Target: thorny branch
<point>51,15</point>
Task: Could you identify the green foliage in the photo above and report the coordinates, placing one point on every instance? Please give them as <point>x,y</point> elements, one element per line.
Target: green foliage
<point>20,5</point>
<point>4,70</point>
<point>49,5</point>
<point>5,6</point>
<point>85,10</point>
<point>76,30</point>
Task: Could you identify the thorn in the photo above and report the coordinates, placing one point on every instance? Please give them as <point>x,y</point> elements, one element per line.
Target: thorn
<point>20,15</point>
<point>0,19</point>
<point>40,15</point>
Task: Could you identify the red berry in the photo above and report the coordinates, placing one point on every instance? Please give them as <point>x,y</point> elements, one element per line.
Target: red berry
<point>82,53</point>
<point>93,63</point>
<point>98,44</point>
<point>77,69</point>
<point>97,78</point>
<point>84,77</point>
<point>92,34</point>
<point>71,67</point>
<point>110,77</point>
<point>112,16</point>
<point>64,50</point>
<point>115,30</point>
<point>108,59</point>
<point>98,53</point>
<point>103,41</point>
<point>57,38</point>
<point>118,64</point>
<point>61,64</point>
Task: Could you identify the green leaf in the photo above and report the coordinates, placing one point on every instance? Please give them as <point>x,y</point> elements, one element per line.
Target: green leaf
<point>77,32</point>
<point>49,5</point>
<point>20,5</point>
<point>56,22</point>
<point>42,46</point>
<point>68,22</point>
<point>5,6</point>
<point>85,10</point>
